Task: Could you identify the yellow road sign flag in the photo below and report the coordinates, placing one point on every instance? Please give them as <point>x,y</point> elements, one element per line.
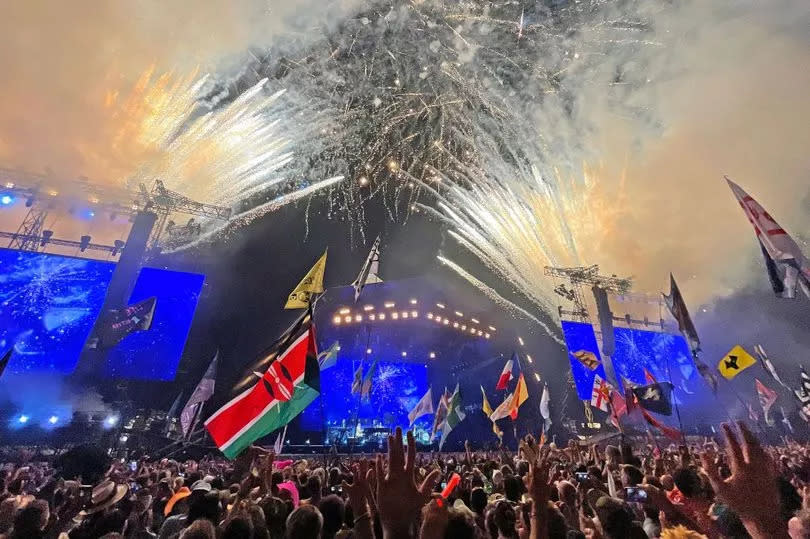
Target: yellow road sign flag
<point>311,284</point>
<point>736,361</point>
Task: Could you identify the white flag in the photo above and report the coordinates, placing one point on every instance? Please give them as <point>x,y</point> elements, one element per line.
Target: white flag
<point>544,408</point>
<point>424,406</point>
<point>601,394</point>
<point>369,271</point>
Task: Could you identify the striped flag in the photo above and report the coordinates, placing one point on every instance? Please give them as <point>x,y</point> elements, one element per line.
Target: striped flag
<point>365,391</point>
<point>455,415</point>
<point>369,271</point>
<point>506,374</point>
<point>290,383</point>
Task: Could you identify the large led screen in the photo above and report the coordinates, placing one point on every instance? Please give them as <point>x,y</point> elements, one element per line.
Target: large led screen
<point>49,303</point>
<point>663,355</point>
<point>396,388</point>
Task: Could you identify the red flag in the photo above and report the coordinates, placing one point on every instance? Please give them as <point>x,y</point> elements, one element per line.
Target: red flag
<point>767,397</point>
<point>669,432</point>
<point>506,375</point>
<point>648,376</point>
<point>618,407</point>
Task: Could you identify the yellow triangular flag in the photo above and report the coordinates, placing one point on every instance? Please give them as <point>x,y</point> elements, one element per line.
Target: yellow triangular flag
<point>311,284</point>
<point>485,406</point>
<point>736,361</point>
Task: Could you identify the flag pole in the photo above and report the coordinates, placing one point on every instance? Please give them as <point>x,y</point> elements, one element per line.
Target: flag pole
<point>675,401</point>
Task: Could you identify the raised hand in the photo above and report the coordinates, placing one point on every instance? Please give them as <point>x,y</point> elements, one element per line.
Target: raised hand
<point>399,499</point>
<point>751,491</point>
<point>539,486</point>
<point>359,491</point>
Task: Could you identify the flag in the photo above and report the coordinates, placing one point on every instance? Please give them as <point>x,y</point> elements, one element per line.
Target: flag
<point>485,405</point>
<point>424,406</point>
<point>669,432</point>
<point>587,358</point>
<point>487,409</point>
<point>278,445</point>
<point>365,391</point>
<point>630,401</point>
<point>328,358</point>
<point>455,415</point>
<point>441,413</point>
<point>605,320</point>
<point>677,307</point>
<point>506,373</point>
<point>205,388</point>
<point>734,362</point>
<point>768,365</point>
<point>518,397</point>
<point>618,407</point>
<point>600,395</point>
<point>117,324</point>
<point>752,413</point>
<point>503,408</point>
<point>290,384</point>
<point>786,419</point>
<point>311,284</point>
<point>4,361</point>
<point>784,261</point>
<point>172,412</point>
<point>357,384</point>
<point>369,271</point>
<point>545,400</point>
<point>649,378</point>
<point>803,395</point>
<point>655,397</point>
<point>767,397</point>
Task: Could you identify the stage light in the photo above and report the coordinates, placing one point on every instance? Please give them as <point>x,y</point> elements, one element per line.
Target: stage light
<point>336,320</point>
<point>459,314</point>
<point>358,318</point>
<point>29,202</point>
<point>111,421</point>
<point>395,316</point>
<point>445,321</point>
<point>492,328</point>
<point>520,340</point>
<point>382,316</point>
<point>414,314</point>
<point>368,307</point>
<point>537,377</point>
<point>23,419</point>
<point>404,354</point>
<point>529,358</point>
<point>472,330</point>
<point>474,321</point>
<point>486,335</point>
<point>6,200</point>
<point>372,317</point>
<point>389,304</point>
<point>344,310</point>
<point>430,316</point>
<point>368,350</point>
<point>432,355</point>
<point>53,419</point>
<point>413,301</point>
<point>46,237</point>
<point>9,185</point>
<point>347,319</point>
<point>463,327</point>
<point>440,305</point>
<point>404,314</point>
<point>455,324</point>
<point>337,348</point>
<point>84,243</point>
<point>480,333</point>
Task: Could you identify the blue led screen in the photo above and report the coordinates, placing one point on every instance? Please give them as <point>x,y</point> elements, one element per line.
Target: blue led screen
<point>49,303</point>
<point>665,356</point>
<point>396,388</point>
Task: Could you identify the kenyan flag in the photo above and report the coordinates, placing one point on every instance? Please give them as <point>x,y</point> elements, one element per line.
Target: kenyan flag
<point>290,384</point>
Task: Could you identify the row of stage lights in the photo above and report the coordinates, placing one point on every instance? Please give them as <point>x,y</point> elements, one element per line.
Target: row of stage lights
<point>345,316</point>
<point>24,419</point>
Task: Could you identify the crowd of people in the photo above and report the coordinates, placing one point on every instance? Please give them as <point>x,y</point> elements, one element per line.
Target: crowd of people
<point>737,488</point>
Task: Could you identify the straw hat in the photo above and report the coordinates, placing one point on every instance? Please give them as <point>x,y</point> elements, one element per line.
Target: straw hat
<point>104,495</point>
